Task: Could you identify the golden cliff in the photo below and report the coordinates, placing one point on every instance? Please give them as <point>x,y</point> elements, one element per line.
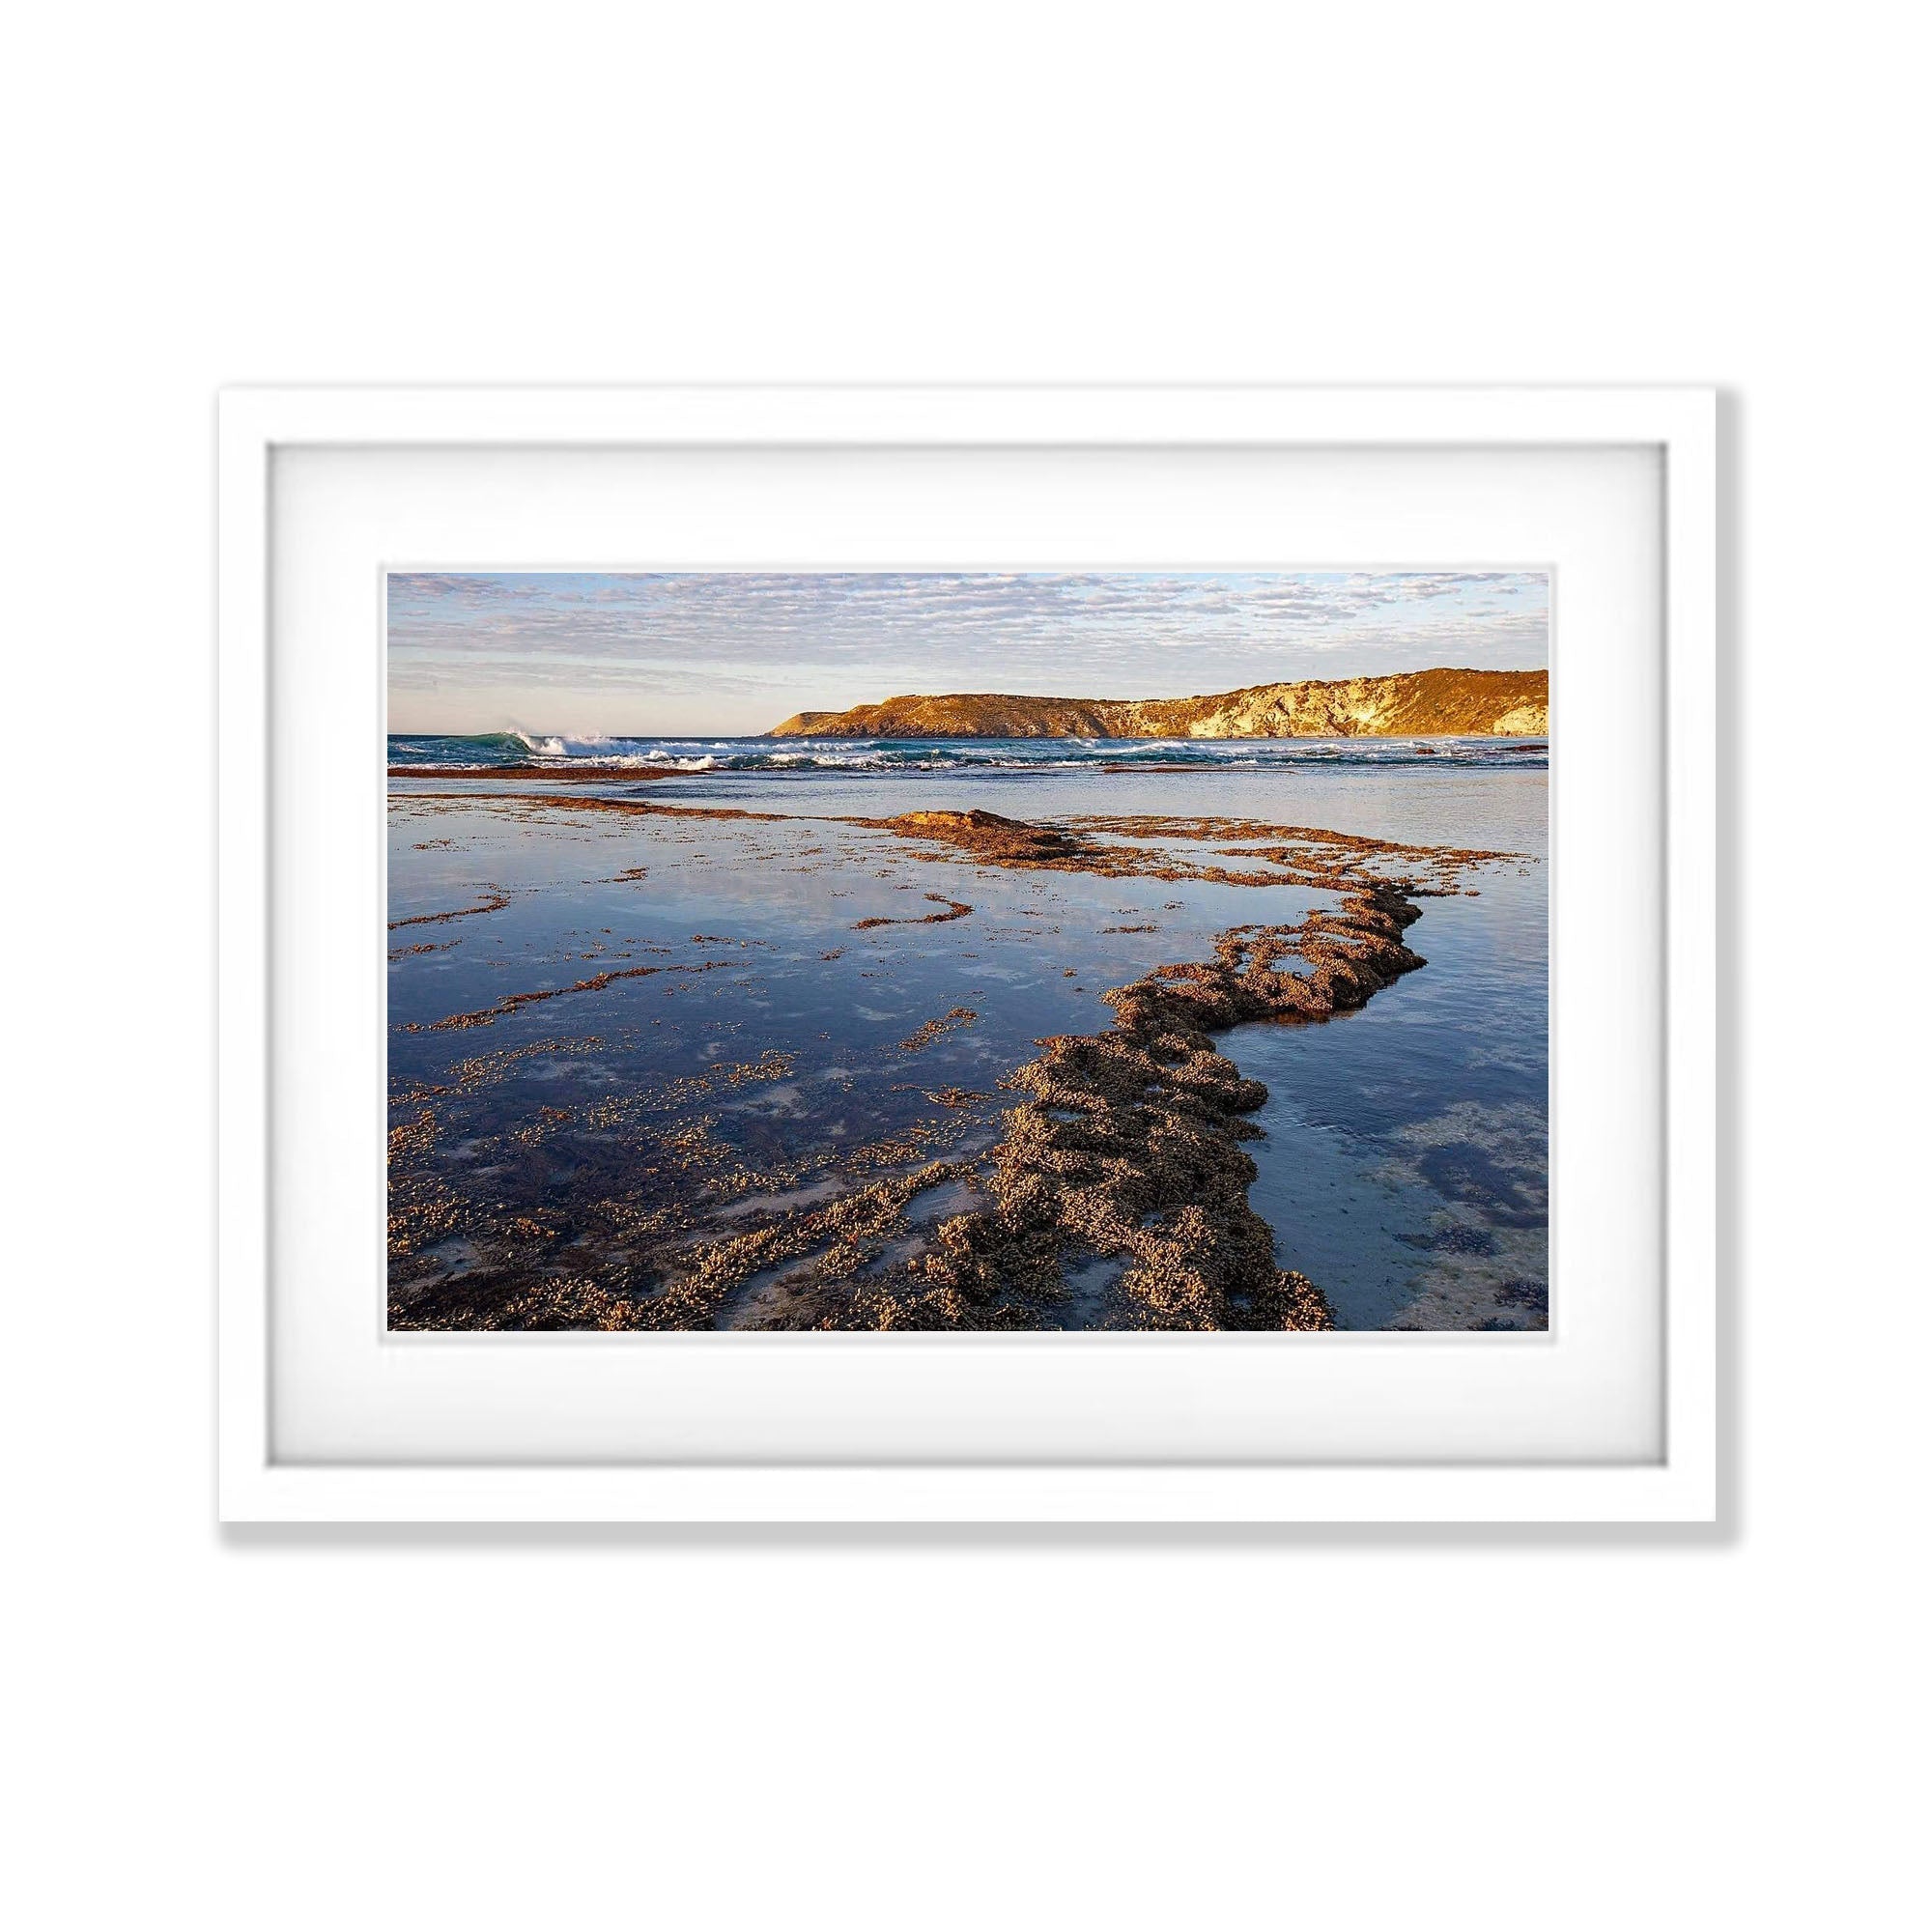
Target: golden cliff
<point>1415,704</point>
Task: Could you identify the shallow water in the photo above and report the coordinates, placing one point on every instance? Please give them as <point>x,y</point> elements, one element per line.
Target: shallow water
<point>626,1029</point>
<point>1405,1167</point>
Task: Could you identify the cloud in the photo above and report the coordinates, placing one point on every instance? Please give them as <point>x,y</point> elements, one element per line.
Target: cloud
<point>601,651</point>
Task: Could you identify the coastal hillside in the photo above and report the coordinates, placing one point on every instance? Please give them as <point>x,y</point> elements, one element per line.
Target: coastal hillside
<point>1415,704</point>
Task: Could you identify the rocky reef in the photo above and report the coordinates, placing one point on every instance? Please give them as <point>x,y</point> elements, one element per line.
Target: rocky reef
<point>1109,1190</point>
<point>1125,1158</point>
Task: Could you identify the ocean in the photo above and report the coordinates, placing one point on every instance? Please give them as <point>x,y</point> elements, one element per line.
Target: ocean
<point>674,1024</point>
<point>574,754</point>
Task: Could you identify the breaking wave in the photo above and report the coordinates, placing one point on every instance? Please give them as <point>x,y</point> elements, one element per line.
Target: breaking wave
<point>491,750</point>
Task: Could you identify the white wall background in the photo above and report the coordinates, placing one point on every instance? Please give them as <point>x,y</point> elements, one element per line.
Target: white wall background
<point>587,1729</point>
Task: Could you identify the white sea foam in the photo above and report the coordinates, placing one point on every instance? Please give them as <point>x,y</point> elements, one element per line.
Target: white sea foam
<point>619,754</point>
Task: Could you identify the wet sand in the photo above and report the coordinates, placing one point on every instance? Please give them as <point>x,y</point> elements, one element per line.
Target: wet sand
<point>1094,1176</point>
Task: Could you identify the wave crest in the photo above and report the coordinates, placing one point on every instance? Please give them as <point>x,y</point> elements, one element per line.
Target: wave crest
<point>483,752</point>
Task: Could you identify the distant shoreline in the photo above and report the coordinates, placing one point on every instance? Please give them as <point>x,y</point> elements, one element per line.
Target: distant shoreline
<point>1446,702</point>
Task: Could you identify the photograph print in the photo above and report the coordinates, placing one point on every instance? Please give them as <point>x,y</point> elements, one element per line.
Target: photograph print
<point>920,952</point>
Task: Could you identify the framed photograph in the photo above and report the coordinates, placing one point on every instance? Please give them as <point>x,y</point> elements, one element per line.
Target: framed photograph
<point>968,954</point>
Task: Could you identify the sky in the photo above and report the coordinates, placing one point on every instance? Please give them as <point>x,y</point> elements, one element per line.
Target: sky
<point>732,653</point>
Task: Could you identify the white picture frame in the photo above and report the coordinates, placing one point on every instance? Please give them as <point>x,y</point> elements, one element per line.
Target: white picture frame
<point>1677,1484</point>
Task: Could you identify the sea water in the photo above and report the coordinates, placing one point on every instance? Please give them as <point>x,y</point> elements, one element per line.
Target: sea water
<point>599,1016</point>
